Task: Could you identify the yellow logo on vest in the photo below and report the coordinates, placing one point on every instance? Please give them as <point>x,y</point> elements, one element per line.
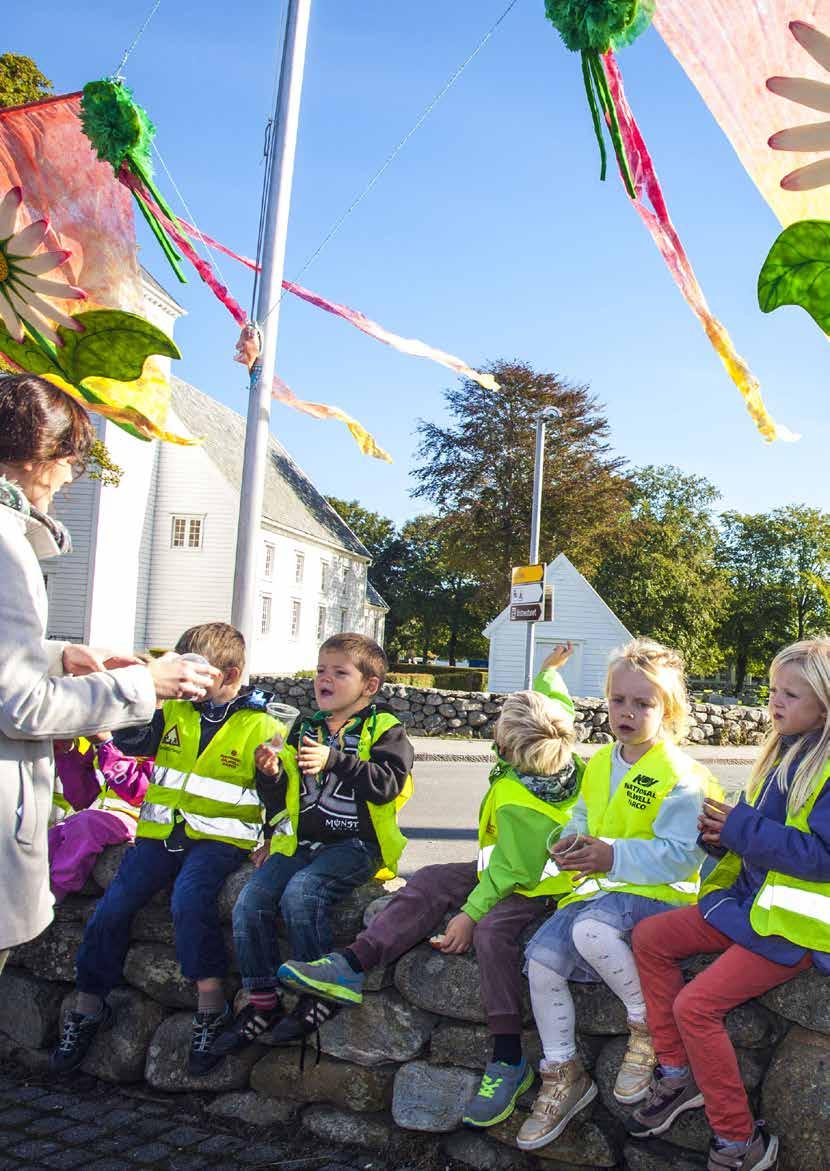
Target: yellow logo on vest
<point>171,739</point>
<point>231,760</point>
<point>639,791</point>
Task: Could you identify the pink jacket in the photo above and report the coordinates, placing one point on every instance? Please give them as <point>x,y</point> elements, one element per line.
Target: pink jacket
<point>126,776</point>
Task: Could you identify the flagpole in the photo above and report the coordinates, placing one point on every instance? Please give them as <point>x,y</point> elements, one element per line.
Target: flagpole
<point>272,261</point>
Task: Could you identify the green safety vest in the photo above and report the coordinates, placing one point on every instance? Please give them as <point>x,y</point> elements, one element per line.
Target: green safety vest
<point>630,813</point>
<point>384,817</point>
<point>213,793</point>
<point>507,789</point>
<point>791,907</point>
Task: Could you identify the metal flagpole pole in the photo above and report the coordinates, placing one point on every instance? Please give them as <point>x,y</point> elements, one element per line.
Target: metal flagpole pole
<point>535,517</point>
<point>272,260</point>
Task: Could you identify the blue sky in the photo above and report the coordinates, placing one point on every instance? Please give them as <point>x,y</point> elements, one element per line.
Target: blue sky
<point>490,236</point>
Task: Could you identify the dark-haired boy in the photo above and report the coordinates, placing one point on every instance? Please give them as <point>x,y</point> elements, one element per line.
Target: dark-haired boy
<point>200,819</point>
<point>343,775</point>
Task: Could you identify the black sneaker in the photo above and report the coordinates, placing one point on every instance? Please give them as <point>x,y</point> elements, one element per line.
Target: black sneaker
<point>250,1024</point>
<point>206,1028</point>
<point>668,1098</point>
<point>79,1031</point>
<point>303,1020</point>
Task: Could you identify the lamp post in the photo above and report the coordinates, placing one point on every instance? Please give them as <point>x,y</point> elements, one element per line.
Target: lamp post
<point>535,524</point>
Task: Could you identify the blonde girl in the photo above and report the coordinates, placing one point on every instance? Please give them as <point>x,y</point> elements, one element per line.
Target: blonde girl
<point>765,907</point>
<point>631,845</point>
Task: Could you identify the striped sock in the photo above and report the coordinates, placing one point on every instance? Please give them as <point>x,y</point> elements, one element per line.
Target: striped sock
<point>264,999</point>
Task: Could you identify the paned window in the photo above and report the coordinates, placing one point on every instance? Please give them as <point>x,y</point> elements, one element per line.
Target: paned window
<point>186,532</point>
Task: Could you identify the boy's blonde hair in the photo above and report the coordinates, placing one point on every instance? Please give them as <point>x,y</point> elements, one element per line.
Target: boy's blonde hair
<point>534,733</point>
<point>811,657</point>
<point>220,643</point>
<point>663,667</point>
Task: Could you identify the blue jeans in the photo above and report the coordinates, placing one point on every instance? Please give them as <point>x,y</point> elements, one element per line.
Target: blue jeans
<point>197,873</point>
<point>303,887</point>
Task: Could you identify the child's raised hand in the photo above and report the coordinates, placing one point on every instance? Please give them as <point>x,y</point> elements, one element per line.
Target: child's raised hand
<point>458,937</point>
<point>562,846</point>
<point>712,820</point>
<point>311,756</point>
<point>267,760</point>
<point>591,856</point>
<point>559,655</point>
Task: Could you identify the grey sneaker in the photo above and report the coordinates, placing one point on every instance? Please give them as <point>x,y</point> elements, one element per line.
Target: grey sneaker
<point>667,1098</point>
<point>329,978</point>
<point>758,1155</point>
<point>498,1093</point>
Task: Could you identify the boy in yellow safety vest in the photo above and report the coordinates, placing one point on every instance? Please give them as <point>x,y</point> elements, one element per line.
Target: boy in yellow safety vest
<point>200,819</point>
<point>332,820</point>
<point>533,788</point>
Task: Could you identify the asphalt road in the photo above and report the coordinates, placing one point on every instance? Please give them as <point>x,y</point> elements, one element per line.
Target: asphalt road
<point>441,818</point>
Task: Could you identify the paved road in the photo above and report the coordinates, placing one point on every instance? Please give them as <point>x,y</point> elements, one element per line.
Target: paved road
<point>440,820</point>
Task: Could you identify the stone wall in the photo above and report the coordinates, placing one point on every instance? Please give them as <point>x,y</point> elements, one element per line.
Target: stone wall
<point>431,712</point>
<point>411,1055</point>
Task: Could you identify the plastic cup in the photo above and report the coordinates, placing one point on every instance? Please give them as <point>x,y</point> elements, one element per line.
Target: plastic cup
<point>286,717</point>
<point>192,657</point>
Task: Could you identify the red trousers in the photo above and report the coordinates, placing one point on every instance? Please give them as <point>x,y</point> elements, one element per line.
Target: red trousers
<point>686,1020</point>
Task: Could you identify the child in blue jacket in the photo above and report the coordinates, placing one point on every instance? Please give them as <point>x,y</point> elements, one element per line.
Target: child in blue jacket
<point>765,908</point>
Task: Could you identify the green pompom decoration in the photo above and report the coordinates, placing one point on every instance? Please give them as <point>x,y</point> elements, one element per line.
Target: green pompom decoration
<point>592,24</point>
<point>117,127</point>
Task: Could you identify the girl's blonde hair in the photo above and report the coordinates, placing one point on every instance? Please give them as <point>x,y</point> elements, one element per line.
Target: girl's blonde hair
<point>534,733</point>
<point>811,657</point>
<point>663,667</point>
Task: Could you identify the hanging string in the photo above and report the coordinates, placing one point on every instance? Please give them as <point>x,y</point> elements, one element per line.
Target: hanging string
<point>137,38</point>
<point>447,86</point>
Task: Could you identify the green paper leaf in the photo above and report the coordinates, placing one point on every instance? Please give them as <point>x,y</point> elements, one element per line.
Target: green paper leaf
<point>797,271</point>
<point>27,354</point>
<point>114,344</point>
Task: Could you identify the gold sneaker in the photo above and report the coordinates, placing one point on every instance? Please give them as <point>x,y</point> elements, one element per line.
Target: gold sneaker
<point>634,1078</point>
<point>566,1089</point>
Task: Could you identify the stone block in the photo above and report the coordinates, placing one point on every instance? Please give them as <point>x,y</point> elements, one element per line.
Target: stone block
<point>119,1054</point>
<point>154,970</point>
<point>795,1100</point>
<point>598,1010</point>
<point>803,1000</point>
<point>364,1089</point>
<point>431,1097</point>
<point>657,1155</point>
<point>340,1126</point>
<point>107,865</point>
<point>385,1028</point>
<point>252,1108</point>
<point>231,889</point>
<point>584,1142</point>
<point>444,984</point>
<point>51,956</point>
<point>29,1008</point>
<point>471,1046</point>
<point>474,1150</point>
<point>166,1066</point>
<point>153,924</point>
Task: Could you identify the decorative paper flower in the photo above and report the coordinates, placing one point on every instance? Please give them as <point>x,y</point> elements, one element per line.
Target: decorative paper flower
<point>815,95</point>
<point>599,24</point>
<point>22,288</point>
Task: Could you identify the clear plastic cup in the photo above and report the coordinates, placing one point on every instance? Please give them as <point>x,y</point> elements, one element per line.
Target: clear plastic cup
<point>286,717</point>
<point>192,657</point>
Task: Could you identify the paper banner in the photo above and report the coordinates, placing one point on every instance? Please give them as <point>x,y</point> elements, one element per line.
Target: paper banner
<point>44,150</point>
<point>361,436</point>
<point>658,221</point>
<point>729,48</point>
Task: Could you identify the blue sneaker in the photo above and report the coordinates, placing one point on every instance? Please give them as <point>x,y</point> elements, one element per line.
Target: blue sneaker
<point>501,1086</point>
<point>330,978</point>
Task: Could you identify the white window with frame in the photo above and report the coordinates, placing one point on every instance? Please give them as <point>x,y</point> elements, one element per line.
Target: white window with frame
<point>264,614</point>
<point>344,621</point>
<point>325,576</point>
<point>186,532</point>
<point>299,567</point>
<point>321,623</point>
<point>296,611</point>
<point>270,555</point>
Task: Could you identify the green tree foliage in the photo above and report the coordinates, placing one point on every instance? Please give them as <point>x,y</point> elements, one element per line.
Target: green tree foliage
<point>21,81</point>
<point>778,565</point>
<point>660,574</point>
<point>478,473</point>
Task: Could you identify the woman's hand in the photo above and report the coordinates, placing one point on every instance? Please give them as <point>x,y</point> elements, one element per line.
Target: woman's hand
<point>591,856</point>
<point>712,820</point>
<point>312,757</point>
<point>559,655</point>
<point>458,937</point>
<point>178,678</point>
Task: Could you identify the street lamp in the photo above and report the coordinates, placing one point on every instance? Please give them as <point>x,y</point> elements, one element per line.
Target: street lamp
<point>547,414</point>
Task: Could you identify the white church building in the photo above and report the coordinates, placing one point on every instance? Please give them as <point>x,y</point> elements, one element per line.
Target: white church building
<point>574,612</point>
<point>156,554</point>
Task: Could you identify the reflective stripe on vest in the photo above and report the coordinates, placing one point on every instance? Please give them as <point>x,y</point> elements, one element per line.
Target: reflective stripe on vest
<point>550,869</point>
<point>809,903</point>
<point>631,811</point>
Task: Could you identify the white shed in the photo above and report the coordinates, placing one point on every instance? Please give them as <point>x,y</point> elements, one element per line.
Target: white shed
<point>578,615</point>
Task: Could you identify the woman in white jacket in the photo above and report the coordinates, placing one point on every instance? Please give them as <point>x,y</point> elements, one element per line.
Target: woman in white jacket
<point>50,689</point>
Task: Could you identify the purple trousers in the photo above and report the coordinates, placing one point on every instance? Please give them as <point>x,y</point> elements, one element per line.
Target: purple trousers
<point>74,845</point>
<point>419,908</point>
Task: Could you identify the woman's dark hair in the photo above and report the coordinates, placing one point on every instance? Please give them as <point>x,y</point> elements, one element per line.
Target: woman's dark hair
<point>38,422</point>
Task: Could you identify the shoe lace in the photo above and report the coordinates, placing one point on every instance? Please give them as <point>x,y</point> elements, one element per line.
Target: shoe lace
<point>71,1033</point>
<point>316,1013</point>
<point>488,1086</point>
<point>205,1028</point>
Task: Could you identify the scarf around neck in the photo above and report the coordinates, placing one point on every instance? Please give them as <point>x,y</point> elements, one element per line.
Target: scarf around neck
<point>54,540</point>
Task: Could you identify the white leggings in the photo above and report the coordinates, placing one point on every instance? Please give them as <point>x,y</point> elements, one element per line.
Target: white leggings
<point>553,1007</point>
